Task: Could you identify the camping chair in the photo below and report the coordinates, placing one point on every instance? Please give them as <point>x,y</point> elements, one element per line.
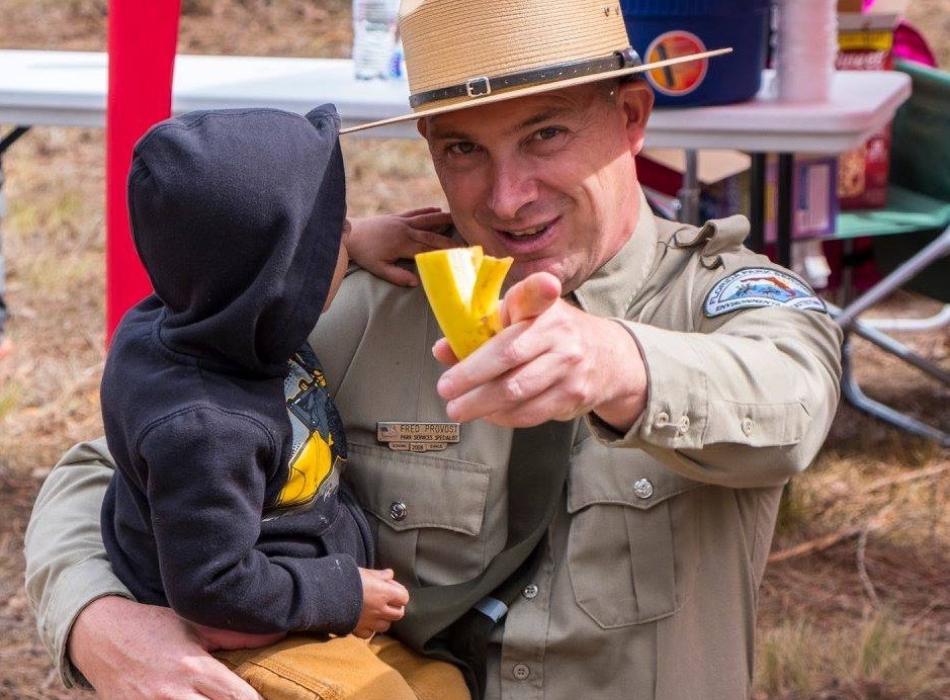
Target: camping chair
<point>918,203</point>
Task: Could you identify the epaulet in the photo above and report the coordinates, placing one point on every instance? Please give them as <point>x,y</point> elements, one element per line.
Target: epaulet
<point>716,236</point>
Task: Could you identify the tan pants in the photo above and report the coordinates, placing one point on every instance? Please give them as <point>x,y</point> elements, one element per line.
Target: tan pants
<point>345,668</point>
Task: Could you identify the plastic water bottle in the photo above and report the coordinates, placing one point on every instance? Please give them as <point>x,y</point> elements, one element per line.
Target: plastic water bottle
<point>374,37</point>
<point>397,66</point>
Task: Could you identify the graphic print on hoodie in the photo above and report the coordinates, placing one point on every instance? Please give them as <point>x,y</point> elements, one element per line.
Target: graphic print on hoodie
<point>227,503</point>
<point>319,445</point>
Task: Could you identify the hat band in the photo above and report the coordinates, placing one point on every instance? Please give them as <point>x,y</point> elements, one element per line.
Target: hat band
<point>484,86</point>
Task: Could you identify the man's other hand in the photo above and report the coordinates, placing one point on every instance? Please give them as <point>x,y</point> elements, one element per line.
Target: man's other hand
<point>130,651</point>
<point>552,362</point>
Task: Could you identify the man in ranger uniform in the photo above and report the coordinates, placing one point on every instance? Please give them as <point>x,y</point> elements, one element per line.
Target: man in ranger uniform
<point>601,525</point>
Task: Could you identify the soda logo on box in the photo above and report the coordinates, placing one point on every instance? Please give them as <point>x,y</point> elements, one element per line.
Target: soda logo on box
<point>683,78</point>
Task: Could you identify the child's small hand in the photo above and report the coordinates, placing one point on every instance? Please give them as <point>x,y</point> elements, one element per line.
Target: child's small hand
<point>384,602</point>
<point>377,243</point>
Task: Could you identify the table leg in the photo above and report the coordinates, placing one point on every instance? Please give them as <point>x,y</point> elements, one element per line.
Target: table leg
<point>757,202</point>
<point>689,193</point>
<point>786,168</point>
<point>783,226</point>
<point>5,143</point>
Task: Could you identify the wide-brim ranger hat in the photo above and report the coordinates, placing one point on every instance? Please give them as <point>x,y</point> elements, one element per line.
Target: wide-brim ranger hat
<point>466,53</point>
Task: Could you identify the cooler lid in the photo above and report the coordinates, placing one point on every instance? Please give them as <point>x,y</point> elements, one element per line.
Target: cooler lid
<point>680,8</point>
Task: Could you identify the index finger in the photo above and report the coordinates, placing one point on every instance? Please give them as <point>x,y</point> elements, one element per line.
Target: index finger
<point>399,596</point>
<point>511,348</point>
<point>442,352</point>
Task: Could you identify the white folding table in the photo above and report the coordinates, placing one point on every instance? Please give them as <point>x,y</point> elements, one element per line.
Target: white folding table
<point>65,88</point>
<point>68,88</point>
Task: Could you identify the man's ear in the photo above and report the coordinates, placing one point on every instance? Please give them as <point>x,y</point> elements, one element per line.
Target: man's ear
<point>636,99</point>
<point>422,126</point>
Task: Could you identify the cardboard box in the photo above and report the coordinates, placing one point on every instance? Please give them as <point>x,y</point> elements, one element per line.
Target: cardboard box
<point>865,40</point>
<point>850,5</point>
<point>722,190</point>
<point>814,197</point>
<point>880,6</point>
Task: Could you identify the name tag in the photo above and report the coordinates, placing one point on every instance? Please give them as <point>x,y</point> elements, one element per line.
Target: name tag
<point>417,437</point>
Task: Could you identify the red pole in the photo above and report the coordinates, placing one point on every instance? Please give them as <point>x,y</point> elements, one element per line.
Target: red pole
<point>142,41</point>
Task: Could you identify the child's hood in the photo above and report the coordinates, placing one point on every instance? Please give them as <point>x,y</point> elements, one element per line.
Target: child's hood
<point>237,216</point>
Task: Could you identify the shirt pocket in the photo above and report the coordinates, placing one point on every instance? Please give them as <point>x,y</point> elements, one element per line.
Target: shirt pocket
<point>430,512</point>
<point>632,545</point>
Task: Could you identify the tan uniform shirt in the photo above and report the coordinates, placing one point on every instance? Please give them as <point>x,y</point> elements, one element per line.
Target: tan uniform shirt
<point>648,584</point>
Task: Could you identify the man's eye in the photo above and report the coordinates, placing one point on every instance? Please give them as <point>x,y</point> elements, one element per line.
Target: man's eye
<point>547,133</point>
<point>462,148</point>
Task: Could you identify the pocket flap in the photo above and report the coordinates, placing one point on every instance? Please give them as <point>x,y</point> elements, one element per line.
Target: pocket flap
<point>620,476</point>
<point>407,490</point>
<point>758,425</point>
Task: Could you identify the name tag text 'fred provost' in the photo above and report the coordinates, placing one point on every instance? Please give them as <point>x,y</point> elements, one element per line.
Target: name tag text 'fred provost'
<point>417,437</point>
<point>418,432</point>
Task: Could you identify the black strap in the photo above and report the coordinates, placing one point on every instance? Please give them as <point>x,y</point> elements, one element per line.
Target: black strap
<point>440,620</point>
<point>467,639</point>
<point>482,86</point>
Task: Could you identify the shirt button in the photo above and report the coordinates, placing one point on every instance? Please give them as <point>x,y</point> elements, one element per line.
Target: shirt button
<point>643,488</point>
<point>747,426</point>
<point>530,591</point>
<point>521,672</point>
<point>662,419</point>
<point>398,511</point>
<point>684,425</point>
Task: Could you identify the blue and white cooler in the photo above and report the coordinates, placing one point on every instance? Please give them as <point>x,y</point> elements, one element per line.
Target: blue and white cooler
<point>661,29</point>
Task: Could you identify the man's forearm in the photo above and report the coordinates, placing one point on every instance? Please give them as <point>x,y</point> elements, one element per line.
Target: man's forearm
<point>66,564</point>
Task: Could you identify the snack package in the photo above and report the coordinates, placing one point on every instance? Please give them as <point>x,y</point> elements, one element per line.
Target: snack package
<point>865,42</point>
<point>863,173</point>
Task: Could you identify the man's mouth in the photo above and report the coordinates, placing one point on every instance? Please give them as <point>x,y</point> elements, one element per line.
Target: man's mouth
<point>528,231</point>
<point>528,239</point>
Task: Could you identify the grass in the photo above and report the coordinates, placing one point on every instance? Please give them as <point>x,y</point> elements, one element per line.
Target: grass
<point>787,659</point>
<point>9,398</point>
<point>57,276</point>
<point>795,509</point>
<point>878,658</point>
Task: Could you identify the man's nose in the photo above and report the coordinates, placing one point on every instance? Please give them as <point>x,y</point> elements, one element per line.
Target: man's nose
<point>513,187</point>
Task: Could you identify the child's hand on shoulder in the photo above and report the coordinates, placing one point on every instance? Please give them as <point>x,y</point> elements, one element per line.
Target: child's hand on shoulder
<point>384,602</point>
<point>377,243</point>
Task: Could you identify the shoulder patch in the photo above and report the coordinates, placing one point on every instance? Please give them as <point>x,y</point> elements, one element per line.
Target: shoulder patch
<point>755,287</point>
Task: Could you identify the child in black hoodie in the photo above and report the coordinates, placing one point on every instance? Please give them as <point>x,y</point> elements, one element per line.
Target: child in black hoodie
<point>227,504</point>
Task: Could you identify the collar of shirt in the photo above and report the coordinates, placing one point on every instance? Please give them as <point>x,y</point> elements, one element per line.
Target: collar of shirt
<point>611,290</point>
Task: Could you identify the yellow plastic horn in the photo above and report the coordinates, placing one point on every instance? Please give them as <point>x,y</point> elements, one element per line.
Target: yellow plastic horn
<point>463,286</point>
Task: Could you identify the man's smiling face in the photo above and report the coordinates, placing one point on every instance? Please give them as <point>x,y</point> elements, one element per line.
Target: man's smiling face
<point>548,179</point>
